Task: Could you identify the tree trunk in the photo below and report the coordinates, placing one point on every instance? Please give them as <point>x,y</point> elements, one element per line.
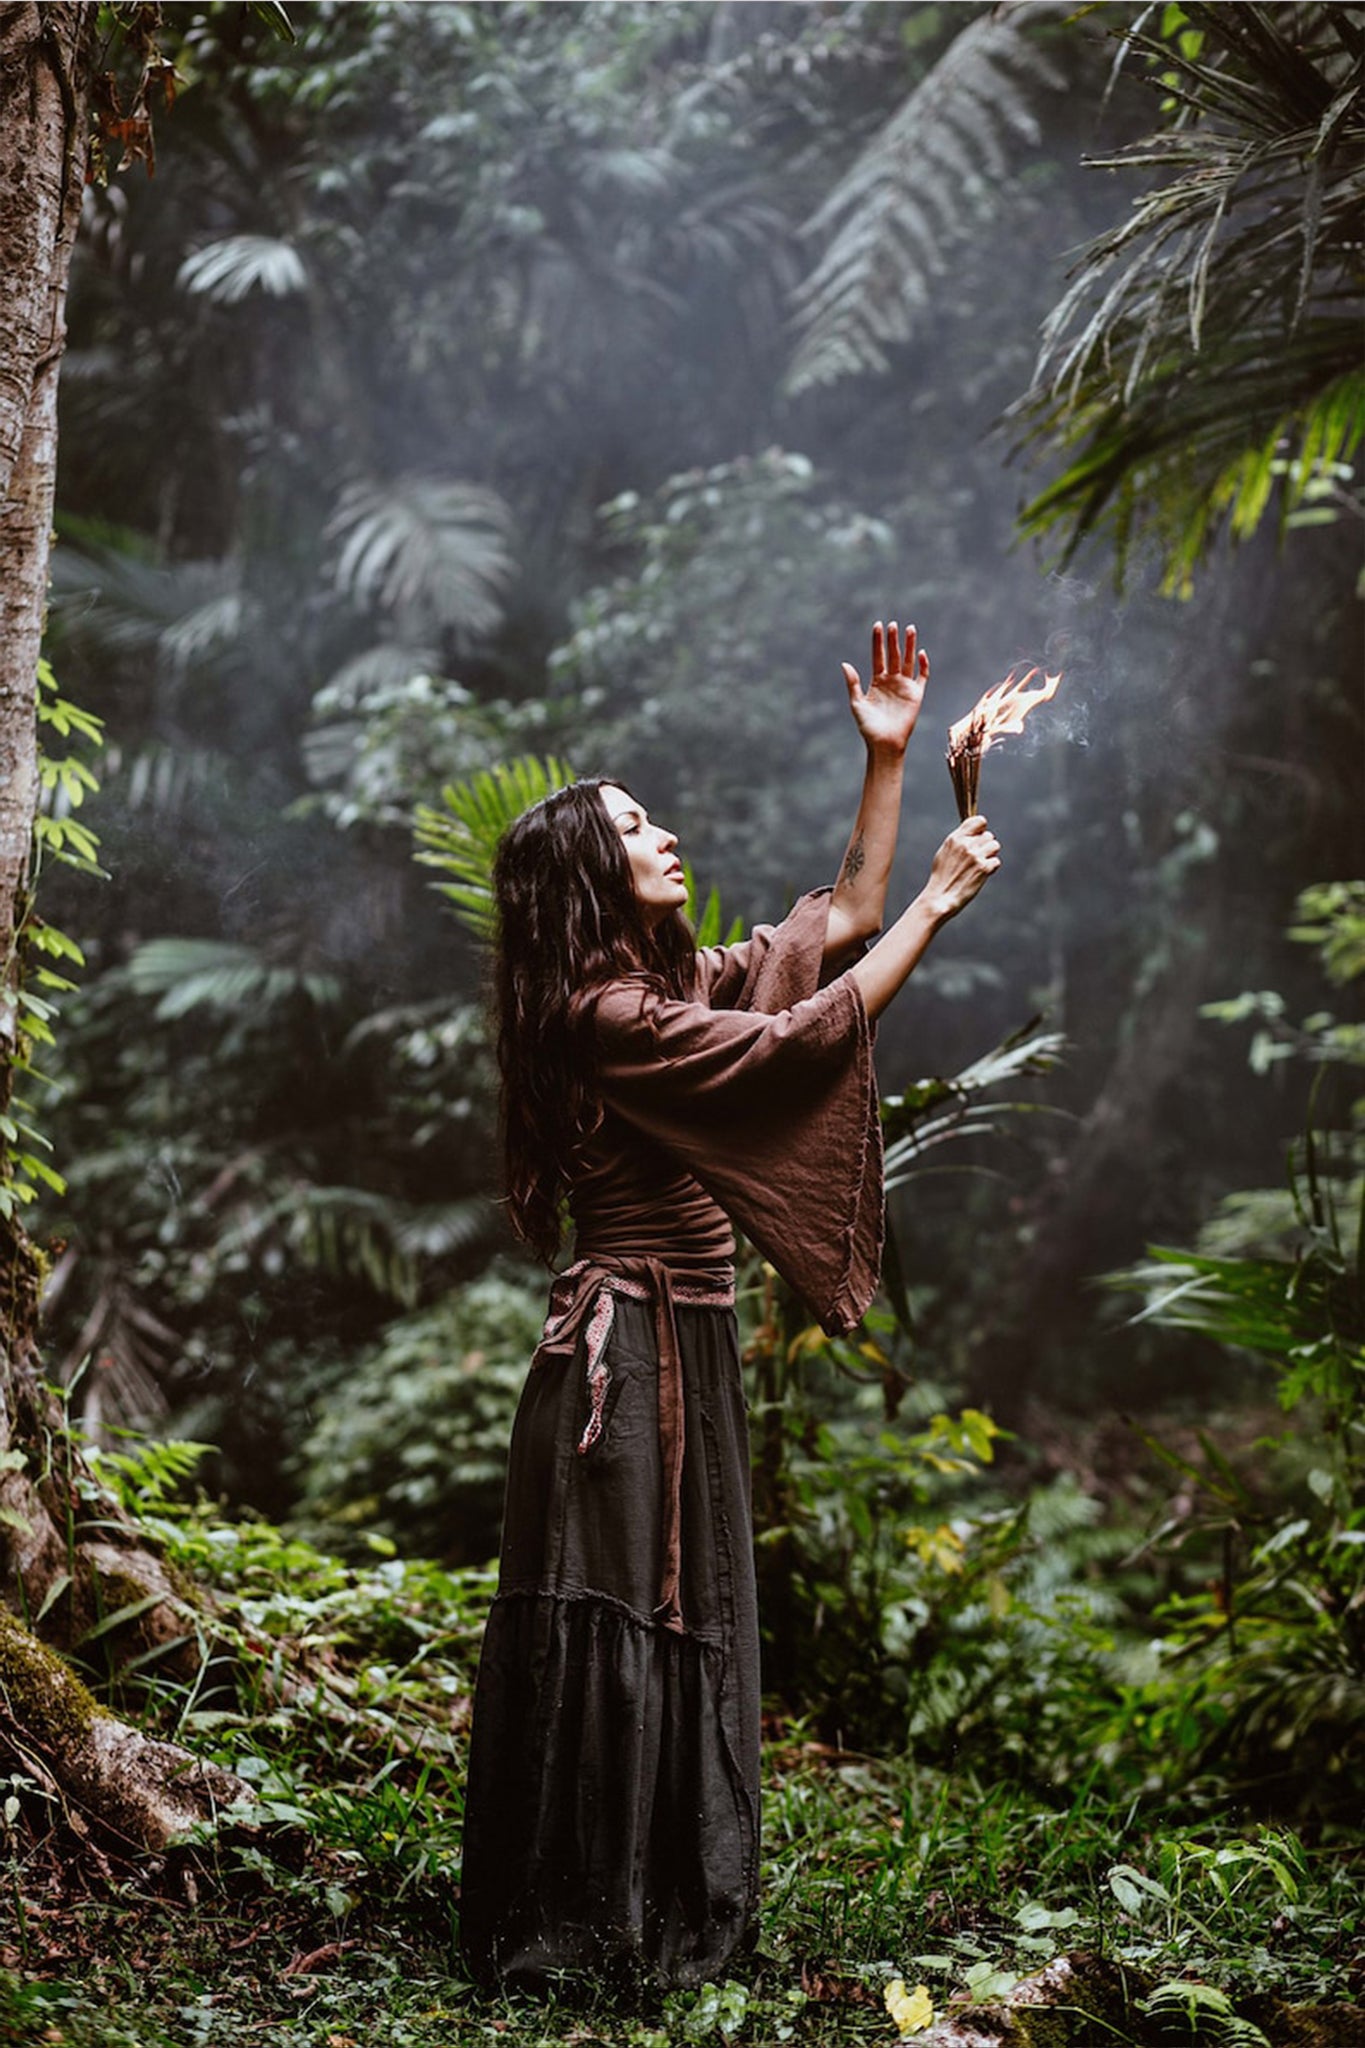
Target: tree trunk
<point>69,1559</point>
<point>45,61</point>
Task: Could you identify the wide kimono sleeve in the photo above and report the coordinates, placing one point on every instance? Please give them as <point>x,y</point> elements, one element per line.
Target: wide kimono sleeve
<point>771,1104</point>
<point>774,966</point>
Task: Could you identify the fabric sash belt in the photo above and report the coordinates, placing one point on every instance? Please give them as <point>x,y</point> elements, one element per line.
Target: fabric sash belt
<point>583,1301</point>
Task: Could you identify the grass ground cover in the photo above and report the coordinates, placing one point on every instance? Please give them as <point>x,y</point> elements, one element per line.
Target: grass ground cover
<point>331,1922</point>
<point>342,1934</point>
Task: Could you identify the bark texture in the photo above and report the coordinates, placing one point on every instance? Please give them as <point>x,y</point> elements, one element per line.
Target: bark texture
<point>67,1555</point>
<point>139,1792</point>
<point>45,63</point>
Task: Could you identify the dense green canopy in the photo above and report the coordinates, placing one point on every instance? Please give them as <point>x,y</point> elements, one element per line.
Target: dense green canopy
<point>480,394</point>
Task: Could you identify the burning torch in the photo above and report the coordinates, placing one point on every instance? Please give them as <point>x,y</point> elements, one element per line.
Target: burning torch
<point>995,716</point>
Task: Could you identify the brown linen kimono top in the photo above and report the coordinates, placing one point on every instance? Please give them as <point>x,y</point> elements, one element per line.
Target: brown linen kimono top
<point>755,1100</point>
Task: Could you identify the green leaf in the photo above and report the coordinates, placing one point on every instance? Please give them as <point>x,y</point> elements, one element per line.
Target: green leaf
<point>1134,1890</point>
<point>437,548</point>
<point>278,17</point>
<point>120,1618</point>
<point>52,1596</point>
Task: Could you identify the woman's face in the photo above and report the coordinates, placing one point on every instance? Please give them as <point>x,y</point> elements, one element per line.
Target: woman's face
<point>655,869</point>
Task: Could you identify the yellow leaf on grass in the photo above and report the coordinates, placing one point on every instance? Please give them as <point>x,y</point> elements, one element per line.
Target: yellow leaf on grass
<point>912,2011</point>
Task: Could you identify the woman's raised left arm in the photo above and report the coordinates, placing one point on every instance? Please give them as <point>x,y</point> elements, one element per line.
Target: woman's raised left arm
<point>885,715</point>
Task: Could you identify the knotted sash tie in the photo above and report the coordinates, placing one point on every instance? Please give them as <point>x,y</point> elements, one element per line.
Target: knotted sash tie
<point>592,1287</point>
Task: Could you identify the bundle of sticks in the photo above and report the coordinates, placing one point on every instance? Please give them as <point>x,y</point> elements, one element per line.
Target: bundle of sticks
<point>1001,711</point>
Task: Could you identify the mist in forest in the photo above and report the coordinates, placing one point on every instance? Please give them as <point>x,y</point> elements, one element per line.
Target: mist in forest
<point>481,430</point>
<point>483,394</point>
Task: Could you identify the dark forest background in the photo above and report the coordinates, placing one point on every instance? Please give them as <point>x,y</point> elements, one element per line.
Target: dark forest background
<point>473,383</point>
<point>446,397</point>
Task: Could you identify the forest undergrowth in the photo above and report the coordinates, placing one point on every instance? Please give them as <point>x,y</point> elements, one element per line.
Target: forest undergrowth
<point>1072,1701</point>
<point>1052,1803</point>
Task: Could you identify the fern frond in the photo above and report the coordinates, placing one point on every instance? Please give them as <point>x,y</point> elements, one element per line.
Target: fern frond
<point>920,186</point>
<point>708,917</point>
<point>462,837</point>
<point>437,551</point>
<point>228,271</point>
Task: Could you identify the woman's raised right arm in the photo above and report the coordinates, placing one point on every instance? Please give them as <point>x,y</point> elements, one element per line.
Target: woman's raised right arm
<point>962,866</point>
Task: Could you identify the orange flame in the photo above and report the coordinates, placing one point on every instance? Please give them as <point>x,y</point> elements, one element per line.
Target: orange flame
<point>1001,711</point>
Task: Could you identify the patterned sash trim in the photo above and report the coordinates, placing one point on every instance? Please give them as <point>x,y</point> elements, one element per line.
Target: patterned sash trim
<point>583,1299</point>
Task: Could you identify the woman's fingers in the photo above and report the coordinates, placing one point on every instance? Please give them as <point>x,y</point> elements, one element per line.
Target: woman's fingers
<point>966,860</point>
<point>890,659</point>
<point>981,842</point>
<point>888,656</point>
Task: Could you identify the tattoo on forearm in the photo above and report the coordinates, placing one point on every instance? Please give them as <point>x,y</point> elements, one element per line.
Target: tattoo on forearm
<point>854,862</point>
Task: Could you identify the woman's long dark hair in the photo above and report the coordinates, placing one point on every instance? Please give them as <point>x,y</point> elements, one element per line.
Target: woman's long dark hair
<point>568,923</point>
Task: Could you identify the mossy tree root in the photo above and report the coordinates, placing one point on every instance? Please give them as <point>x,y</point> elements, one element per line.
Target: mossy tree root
<point>68,1552</point>
<point>141,1793</point>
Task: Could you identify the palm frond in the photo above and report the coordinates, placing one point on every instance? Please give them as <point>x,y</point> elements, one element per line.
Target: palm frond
<point>921,185</point>
<point>1273,1307</point>
<point>117,600</point>
<point>441,1230</point>
<point>228,271</point>
<point>939,1111</point>
<point>120,1350</point>
<point>207,630</point>
<point>462,837</point>
<point>191,974</point>
<point>1205,362</point>
<point>359,1234</point>
<point>113,600</point>
<point>387,665</point>
<point>436,551</point>
<point>163,778</point>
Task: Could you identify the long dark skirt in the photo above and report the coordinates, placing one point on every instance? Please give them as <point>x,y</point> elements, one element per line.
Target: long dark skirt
<point>612,1807</point>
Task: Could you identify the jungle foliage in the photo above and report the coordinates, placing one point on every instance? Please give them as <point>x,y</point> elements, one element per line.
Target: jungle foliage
<point>1205,361</point>
<point>483,393</point>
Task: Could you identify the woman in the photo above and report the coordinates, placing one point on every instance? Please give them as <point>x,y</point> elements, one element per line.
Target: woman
<point>612,1811</point>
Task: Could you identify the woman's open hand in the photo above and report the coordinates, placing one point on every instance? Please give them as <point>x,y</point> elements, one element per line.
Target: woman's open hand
<point>886,711</point>
<point>963,865</point>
